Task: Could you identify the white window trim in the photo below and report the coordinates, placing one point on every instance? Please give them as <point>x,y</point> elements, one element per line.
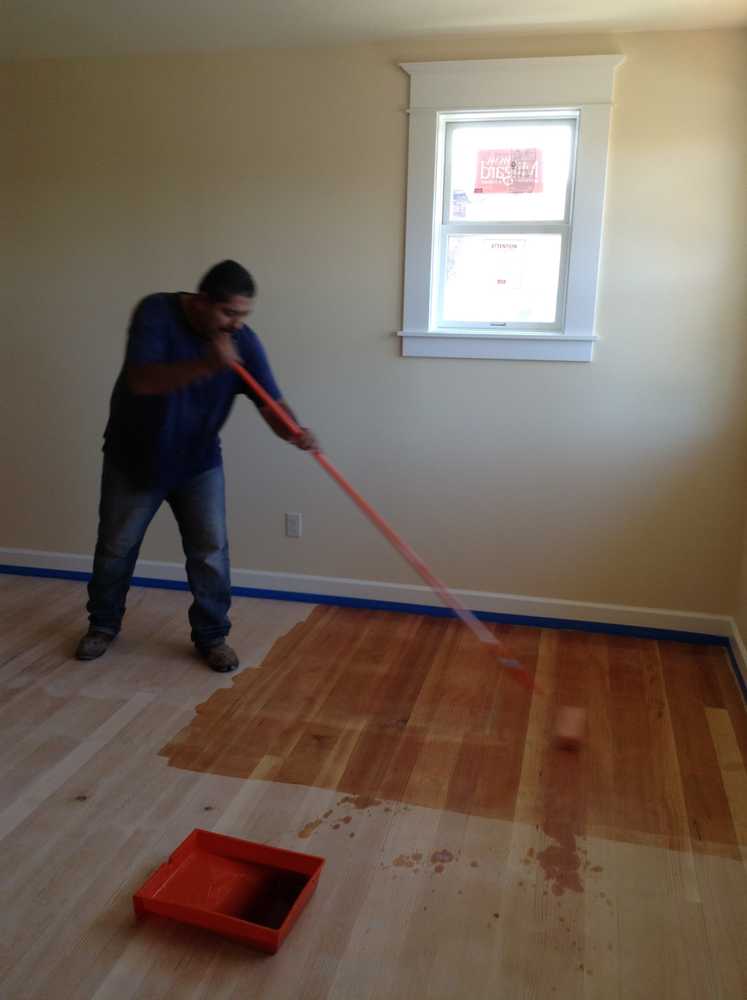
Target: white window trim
<point>581,84</point>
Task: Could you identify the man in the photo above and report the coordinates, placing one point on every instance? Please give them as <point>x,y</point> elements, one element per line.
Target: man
<point>172,397</point>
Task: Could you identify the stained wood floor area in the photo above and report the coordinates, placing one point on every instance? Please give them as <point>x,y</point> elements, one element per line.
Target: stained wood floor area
<point>466,855</point>
<point>416,709</point>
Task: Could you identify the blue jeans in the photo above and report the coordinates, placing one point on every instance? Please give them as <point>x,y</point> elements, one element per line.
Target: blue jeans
<point>124,515</point>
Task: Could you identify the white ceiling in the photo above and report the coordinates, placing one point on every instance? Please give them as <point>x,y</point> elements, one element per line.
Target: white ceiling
<point>37,28</point>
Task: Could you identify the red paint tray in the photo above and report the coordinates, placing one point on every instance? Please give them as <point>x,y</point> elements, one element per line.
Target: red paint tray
<point>250,892</point>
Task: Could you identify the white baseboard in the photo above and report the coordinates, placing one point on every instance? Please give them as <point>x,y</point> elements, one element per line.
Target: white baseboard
<point>64,562</point>
<point>404,594</point>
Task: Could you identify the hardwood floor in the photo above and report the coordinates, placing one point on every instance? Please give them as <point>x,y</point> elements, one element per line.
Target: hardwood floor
<point>467,857</point>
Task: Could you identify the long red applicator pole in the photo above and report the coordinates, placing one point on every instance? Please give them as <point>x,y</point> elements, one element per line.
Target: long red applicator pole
<point>436,585</point>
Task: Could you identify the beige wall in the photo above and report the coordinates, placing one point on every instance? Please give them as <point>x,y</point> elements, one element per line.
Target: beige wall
<point>622,481</point>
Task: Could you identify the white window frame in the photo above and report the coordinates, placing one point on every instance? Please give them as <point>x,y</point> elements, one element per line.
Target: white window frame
<point>439,91</point>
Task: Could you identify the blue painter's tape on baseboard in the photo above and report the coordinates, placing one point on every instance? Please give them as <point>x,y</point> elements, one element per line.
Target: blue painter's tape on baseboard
<point>737,672</point>
<point>54,574</point>
<point>605,628</point>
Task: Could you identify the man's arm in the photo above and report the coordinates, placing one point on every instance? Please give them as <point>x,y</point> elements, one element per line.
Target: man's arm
<point>158,379</point>
<point>306,440</point>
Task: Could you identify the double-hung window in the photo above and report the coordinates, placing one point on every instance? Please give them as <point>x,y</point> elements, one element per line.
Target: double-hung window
<point>504,233</point>
<point>505,198</point>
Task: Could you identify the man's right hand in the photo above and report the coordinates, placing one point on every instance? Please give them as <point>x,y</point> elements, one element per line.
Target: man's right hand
<point>161,378</point>
<point>221,352</point>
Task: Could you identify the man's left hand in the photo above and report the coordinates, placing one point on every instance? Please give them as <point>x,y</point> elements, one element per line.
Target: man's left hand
<point>306,440</point>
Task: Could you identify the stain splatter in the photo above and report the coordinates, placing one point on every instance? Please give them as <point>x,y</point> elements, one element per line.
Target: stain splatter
<point>335,826</point>
<point>347,819</point>
<point>407,861</point>
<point>597,868</point>
<point>560,862</point>
<point>328,814</point>
<point>442,856</point>
<point>360,801</point>
<point>474,864</point>
<point>81,798</point>
<point>438,869</point>
<point>403,861</point>
<point>309,829</point>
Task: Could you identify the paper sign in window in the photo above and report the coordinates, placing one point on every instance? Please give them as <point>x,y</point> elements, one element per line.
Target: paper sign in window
<point>508,171</point>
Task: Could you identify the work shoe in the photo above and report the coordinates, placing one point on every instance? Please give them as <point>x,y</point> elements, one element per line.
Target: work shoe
<point>220,658</point>
<point>93,644</point>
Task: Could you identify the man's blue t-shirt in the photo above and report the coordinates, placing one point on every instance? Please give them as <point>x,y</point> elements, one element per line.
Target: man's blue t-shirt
<point>161,441</point>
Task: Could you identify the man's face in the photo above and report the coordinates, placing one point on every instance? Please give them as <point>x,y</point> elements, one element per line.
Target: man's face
<point>222,317</point>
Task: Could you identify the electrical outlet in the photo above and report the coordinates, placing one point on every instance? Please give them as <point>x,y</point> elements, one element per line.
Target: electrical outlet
<point>293,525</point>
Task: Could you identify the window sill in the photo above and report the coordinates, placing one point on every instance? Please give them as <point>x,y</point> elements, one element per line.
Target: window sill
<point>497,346</point>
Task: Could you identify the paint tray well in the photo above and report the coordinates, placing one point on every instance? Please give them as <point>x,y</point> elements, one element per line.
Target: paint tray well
<point>250,892</point>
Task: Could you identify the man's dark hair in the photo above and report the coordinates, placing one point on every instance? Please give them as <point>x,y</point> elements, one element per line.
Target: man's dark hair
<point>225,280</point>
